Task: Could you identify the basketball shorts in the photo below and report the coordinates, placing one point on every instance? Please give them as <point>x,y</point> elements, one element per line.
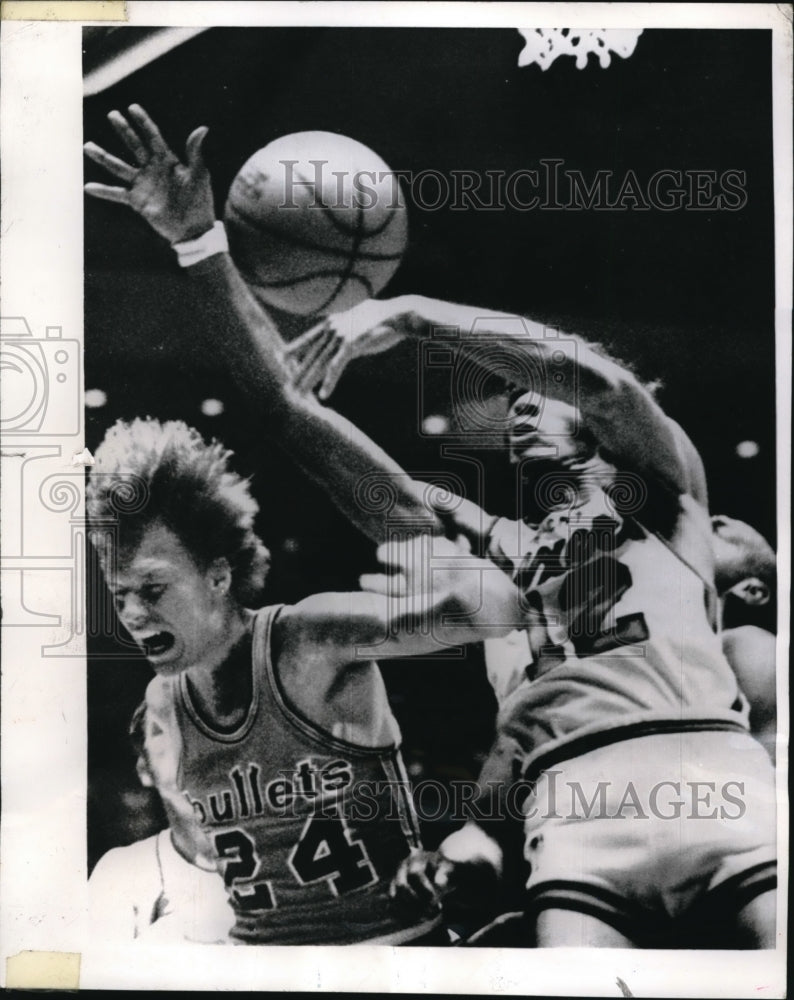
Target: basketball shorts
<point>644,831</point>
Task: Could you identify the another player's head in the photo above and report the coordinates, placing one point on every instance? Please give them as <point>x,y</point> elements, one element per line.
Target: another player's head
<point>156,762</point>
<point>546,437</point>
<point>539,428</point>
<point>551,437</point>
<point>745,563</point>
<point>173,526</point>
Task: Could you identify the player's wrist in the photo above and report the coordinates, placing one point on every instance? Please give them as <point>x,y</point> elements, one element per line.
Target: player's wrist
<point>420,317</point>
<point>195,247</point>
<point>407,315</point>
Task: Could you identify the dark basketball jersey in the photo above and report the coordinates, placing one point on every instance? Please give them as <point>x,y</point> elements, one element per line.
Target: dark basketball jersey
<point>308,829</point>
<point>626,641</point>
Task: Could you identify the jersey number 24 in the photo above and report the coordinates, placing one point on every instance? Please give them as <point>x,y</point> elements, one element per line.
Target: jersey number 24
<point>324,851</point>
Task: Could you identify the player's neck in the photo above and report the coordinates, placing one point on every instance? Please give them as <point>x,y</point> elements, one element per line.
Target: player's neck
<point>221,692</point>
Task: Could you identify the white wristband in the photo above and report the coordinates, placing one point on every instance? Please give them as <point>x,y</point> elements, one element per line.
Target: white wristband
<point>207,245</point>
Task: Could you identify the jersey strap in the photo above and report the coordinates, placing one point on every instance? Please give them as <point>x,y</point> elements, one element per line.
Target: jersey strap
<point>267,681</point>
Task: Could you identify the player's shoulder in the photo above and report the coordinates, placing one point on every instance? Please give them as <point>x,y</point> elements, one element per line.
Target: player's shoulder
<point>748,639</point>
<point>314,657</point>
<point>159,697</point>
<point>296,636</point>
<point>752,654</point>
<point>694,473</point>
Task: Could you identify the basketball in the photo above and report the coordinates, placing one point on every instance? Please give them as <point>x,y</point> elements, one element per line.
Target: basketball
<point>316,223</point>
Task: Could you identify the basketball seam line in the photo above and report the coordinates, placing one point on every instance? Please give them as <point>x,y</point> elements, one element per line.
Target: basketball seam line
<point>310,276</point>
<point>297,241</point>
<point>351,262</point>
<point>341,227</point>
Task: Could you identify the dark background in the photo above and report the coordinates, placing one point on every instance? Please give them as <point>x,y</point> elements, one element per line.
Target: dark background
<point>686,296</point>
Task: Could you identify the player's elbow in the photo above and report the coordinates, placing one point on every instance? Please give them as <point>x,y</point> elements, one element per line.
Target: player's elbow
<point>612,386</point>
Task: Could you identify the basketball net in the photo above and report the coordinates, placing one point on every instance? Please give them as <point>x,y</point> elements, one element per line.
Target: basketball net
<point>544,45</point>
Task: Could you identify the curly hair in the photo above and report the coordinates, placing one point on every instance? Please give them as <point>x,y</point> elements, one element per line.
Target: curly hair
<point>146,472</point>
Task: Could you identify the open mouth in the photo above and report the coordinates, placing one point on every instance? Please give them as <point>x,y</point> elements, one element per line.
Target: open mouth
<point>157,645</point>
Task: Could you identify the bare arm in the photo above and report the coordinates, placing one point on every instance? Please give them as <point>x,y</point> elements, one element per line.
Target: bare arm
<point>365,483</point>
<point>176,199</point>
<point>440,596</point>
<point>614,406</point>
<point>752,655</point>
<point>325,647</point>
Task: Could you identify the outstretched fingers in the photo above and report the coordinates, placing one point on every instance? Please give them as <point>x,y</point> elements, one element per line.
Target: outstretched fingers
<point>313,371</point>
<point>112,164</point>
<point>334,367</point>
<point>108,193</point>
<point>298,348</point>
<point>150,131</point>
<point>129,137</point>
<point>315,349</point>
<point>193,147</point>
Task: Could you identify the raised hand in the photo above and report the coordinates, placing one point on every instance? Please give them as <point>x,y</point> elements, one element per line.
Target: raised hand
<point>323,352</point>
<point>417,565</point>
<point>174,197</point>
<point>438,572</point>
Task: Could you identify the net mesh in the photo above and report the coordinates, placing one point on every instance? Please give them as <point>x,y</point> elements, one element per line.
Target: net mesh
<point>544,45</point>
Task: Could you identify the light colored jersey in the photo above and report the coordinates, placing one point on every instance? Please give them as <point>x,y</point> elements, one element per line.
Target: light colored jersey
<point>666,831</point>
<point>147,890</point>
<point>627,642</point>
<point>308,829</point>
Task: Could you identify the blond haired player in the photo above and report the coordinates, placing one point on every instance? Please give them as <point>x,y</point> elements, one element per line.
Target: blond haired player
<point>627,664</point>
<point>279,732</point>
<point>288,750</point>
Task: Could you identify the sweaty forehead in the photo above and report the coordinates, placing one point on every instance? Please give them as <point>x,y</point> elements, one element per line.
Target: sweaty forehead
<point>132,569</point>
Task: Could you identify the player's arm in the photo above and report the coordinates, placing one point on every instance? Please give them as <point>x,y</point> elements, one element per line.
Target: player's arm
<point>751,652</point>
<point>437,595</point>
<point>614,406</point>
<point>176,200</point>
<point>354,471</point>
<point>330,449</point>
<point>160,711</point>
<point>477,870</point>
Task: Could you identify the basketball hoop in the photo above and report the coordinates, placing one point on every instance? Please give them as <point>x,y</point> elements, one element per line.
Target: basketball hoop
<point>544,45</point>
